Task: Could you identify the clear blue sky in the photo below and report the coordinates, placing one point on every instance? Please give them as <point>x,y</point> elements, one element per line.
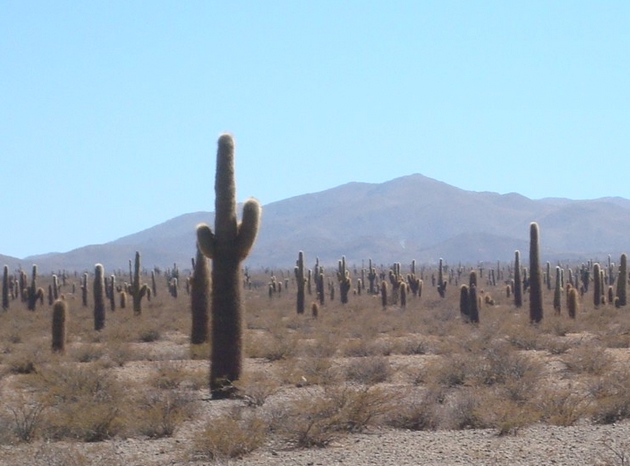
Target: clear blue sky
<point>110,110</point>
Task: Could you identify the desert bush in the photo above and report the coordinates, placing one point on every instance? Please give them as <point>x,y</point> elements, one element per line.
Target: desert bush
<point>368,371</point>
<point>466,410</point>
<point>588,359</point>
<point>611,398</point>
<point>85,403</point>
<point>87,352</point>
<point>168,375</point>
<point>562,406</point>
<point>225,437</point>
<point>415,413</point>
<point>272,346</point>
<point>160,413</point>
<point>317,418</point>
<point>256,387</point>
<point>27,419</point>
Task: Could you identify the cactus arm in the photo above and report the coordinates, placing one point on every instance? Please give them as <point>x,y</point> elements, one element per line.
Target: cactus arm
<point>248,228</point>
<point>206,240</point>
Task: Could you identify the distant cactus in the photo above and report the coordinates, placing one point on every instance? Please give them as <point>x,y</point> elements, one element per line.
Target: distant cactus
<point>314,309</point>
<point>572,302</point>
<point>464,302</point>
<point>136,290</point>
<point>59,324</point>
<point>200,300</point>
<point>441,283</point>
<point>474,304</point>
<point>597,285</point>
<point>472,279</point>
<point>557,293</point>
<point>343,277</point>
<point>518,284</point>
<point>228,245</point>
<point>384,294</point>
<point>34,293</point>
<point>112,292</point>
<point>535,278</point>
<point>55,287</point>
<point>153,284</point>
<point>123,299</point>
<point>622,281</point>
<point>372,276</point>
<point>5,288</point>
<point>403,295</point>
<point>84,290</point>
<point>99,297</point>
<point>300,281</point>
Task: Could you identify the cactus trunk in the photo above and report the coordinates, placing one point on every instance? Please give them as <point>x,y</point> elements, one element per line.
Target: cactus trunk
<point>227,246</point>
<point>535,276</point>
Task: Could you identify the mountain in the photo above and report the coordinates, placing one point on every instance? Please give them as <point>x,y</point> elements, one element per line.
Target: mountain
<point>412,217</point>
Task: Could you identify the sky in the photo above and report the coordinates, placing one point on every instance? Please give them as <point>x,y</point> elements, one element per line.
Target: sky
<point>110,110</point>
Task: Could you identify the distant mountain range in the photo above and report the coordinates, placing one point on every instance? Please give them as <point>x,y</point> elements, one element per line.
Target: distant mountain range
<point>412,217</point>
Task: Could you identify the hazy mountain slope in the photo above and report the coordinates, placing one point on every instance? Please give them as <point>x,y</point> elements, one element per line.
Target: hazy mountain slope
<point>412,217</point>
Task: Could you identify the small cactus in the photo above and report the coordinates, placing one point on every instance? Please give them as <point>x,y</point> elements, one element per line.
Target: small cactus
<point>597,286</point>
<point>300,280</point>
<point>200,300</point>
<point>384,294</point>
<point>557,291</point>
<point>5,288</point>
<point>99,297</point>
<point>535,276</point>
<point>518,283</point>
<point>572,302</point>
<point>59,324</point>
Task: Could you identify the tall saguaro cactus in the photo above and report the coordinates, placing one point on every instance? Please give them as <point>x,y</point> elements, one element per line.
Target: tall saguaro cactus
<point>300,280</point>
<point>518,283</point>
<point>99,297</point>
<point>535,276</point>
<point>622,281</point>
<point>136,290</point>
<point>5,288</point>
<point>228,245</point>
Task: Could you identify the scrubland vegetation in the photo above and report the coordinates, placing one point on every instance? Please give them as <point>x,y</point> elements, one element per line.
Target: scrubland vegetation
<point>307,381</point>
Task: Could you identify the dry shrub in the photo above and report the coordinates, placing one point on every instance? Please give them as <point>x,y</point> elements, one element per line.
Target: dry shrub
<point>50,454</point>
<point>160,413</point>
<point>201,351</point>
<point>562,406</point>
<point>87,352</point>
<point>467,411</point>
<point>272,346</point>
<point>357,347</point>
<point>411,346</point>
<point>523,336</point>
<point>448,371</point>
<point>85,403</point>
<point>416,412</point>
<point>168,375</point>
<point>368,371</point>
<point>256,387</point>
<point>316,419</point>
<point>508,416</point>
<point>588,359</point>
<point>27,419</point>
<point>611,397</point>
<point>227,437</point>
<point>310,371</point>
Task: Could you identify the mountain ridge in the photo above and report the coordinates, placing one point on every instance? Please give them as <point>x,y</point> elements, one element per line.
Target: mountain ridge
<point>410,217</point>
